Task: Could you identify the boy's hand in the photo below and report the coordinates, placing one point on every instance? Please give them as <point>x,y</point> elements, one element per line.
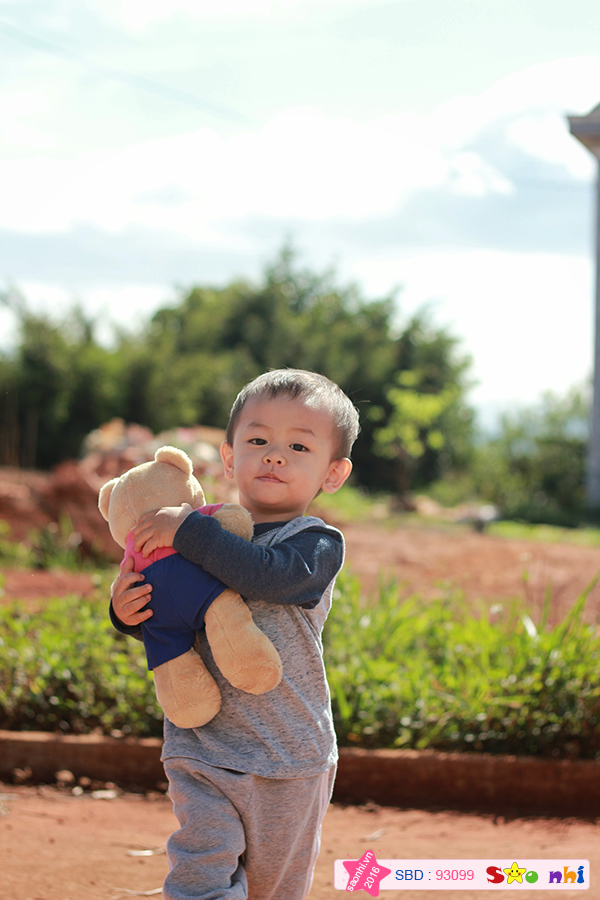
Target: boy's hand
<point>129,598</point>
<point>157,528</point>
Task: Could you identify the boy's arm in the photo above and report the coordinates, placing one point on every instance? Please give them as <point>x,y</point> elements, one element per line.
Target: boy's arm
<point>295,571</point>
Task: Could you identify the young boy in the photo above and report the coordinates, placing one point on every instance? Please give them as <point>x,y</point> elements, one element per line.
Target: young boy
<point>250,788</point>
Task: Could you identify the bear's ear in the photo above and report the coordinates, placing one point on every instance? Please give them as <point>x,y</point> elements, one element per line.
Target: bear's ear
<point>104,496</point>
<point>175,457</point>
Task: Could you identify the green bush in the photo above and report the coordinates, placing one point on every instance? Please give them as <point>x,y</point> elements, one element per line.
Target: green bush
<point>66,669</point>
<point>403,672</point>
<point>533,469</point>
<point>417,673</point>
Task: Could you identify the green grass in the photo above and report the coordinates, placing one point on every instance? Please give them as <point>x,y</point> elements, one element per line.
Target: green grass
<point>64,668</point>
<point>403,671</point>
<point>351,504</point>
<point>550,534</point>
<point>419,674</point>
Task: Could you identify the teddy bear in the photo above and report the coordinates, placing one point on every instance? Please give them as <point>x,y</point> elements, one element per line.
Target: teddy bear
<point>185,598</point>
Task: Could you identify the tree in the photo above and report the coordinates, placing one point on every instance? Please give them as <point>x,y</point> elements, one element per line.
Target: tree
<point>216,340</point>
<point>188,363</point>
<point>534,469</point>
<point>425,427</point>
<point>57,386</point>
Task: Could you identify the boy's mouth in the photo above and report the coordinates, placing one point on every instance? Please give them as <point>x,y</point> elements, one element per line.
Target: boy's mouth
<point>270,476</point>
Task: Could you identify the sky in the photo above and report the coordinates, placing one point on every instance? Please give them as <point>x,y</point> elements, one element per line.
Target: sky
<point>417,145</point>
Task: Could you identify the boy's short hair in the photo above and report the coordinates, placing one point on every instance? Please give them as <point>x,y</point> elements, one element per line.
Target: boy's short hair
<point>299,383</point>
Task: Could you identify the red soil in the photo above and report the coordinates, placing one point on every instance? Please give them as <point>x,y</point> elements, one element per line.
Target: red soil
<point>56,846</point>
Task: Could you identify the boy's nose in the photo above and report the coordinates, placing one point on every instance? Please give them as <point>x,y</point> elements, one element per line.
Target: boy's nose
<point>274,457</point>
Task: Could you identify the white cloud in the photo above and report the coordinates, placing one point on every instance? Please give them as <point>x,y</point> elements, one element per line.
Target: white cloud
<point>300,165</point>
<point>15,111</point>
<point>136,15</point>
<point>568,85</point>
<point>545,136</point>
<point>472,176</point>
<point>533,103</point>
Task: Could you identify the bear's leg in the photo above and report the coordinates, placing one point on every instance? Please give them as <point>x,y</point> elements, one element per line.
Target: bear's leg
<point>245,656</point>
<point>181,591</point>
<point>186,691</point>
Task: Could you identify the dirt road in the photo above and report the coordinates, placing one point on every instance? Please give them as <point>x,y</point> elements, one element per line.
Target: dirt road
<point>56,846</point>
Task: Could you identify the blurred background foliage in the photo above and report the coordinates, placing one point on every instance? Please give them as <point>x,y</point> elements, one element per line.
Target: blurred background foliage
<point>409,380</point>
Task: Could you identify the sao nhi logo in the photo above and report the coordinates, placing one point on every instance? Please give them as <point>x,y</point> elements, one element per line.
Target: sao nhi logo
<point>523,875</point>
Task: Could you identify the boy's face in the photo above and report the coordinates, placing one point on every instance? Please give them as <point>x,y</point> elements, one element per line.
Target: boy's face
<point>281,457</point>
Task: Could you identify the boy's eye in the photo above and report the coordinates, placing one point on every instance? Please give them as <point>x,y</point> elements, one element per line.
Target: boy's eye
<point>258,441</point>
<point>298,447</point>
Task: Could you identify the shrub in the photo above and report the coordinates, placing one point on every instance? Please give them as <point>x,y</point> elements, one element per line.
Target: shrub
<point>66,669</point>
<point>403,672</point>
<point>422,674</point>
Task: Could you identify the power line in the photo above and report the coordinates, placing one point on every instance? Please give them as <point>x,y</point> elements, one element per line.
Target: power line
<point>136,81</point>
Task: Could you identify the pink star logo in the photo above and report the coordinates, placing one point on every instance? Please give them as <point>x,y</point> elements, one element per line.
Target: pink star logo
<point>365,873</point>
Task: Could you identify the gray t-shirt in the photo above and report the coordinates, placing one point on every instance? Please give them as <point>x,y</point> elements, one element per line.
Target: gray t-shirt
<point>288,732</point>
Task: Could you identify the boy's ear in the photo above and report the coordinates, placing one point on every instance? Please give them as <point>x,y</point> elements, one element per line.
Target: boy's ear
<point>338,473</point>
<point>227,457</point>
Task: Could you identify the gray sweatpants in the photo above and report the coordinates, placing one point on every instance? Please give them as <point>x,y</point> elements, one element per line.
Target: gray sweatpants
<point>243,837</point>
